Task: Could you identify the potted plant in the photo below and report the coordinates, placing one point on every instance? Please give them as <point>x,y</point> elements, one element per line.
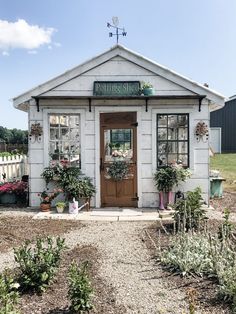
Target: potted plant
<point>166,179</point>
<point>78,191</point>
<point>147,89</point>
<point>60,206</point>
<point>46,199</point>
<point>10,191</point>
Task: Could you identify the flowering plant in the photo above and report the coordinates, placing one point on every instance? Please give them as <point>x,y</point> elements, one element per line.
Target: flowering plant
<point>17,187</point>
<point>54,170</point>
<point>119,153</point>
<point>47,197</point>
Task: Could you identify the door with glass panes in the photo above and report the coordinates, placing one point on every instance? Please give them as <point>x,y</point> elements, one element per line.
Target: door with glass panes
<point>118,144</point>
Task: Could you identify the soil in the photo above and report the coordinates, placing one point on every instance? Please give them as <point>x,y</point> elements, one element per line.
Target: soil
<point>228,201</point>
<point>207,298</point>
<point>55,300</point>
<point>14,230</point>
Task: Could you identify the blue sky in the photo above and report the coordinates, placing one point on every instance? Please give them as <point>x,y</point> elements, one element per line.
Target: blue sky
<point>193,37</point>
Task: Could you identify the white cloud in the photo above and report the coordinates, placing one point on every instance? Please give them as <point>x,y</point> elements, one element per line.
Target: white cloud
<point>22,35</point>
<point>5,53</point>
<point>57,44</point>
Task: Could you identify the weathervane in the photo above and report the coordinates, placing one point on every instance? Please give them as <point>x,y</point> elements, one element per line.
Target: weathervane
<point>115,21</point>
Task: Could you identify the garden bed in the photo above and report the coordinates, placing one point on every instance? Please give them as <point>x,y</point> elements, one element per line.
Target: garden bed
<point>207,297</point>
<point>14,230</point>
<point>55,301</point>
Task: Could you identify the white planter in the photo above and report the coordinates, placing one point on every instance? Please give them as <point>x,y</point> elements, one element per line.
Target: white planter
<point>60,209</point>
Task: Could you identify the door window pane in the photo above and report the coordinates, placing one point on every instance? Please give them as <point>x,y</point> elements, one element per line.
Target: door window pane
<point>118,144</point>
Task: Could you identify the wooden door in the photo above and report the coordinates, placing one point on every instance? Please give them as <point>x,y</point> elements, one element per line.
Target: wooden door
<point>118,136</point>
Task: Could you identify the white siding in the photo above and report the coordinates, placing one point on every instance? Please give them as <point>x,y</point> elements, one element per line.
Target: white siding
<point>90,128</point>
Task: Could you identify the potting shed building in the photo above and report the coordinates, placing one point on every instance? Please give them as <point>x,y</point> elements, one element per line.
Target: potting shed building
<point>95,112</point>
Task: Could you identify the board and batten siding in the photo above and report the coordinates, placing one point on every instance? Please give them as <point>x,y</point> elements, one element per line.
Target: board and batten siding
<point>90,128</point>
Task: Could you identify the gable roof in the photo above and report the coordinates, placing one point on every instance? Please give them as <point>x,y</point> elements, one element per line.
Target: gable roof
<point>20,102</point>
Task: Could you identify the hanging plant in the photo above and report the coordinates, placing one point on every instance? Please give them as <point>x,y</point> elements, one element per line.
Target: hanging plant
<point>118,170</point>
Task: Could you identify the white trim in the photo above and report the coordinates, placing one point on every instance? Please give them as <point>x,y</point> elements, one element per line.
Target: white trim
<point>107,109</point>
<point>217,128</point>
<point>131,56</point>
<point>80,112</point>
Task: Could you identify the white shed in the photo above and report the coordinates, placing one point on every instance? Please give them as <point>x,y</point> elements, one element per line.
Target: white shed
<point>96,106</point>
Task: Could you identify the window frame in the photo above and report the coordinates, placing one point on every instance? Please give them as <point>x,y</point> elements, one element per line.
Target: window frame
<point>172,141</point>
<point>61,141</point>
<point>46,112</point>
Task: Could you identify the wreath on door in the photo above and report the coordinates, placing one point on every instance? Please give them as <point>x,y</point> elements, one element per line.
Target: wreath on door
<point>118,170</point>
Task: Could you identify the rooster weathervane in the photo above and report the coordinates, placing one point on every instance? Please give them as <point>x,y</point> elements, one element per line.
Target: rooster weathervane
<point>115,24</point>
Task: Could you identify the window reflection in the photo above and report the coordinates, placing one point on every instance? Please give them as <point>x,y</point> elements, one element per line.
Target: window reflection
<point>118,143</point>
<point>64,143</point>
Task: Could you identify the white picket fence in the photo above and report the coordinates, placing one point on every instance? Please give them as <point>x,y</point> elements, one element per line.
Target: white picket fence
<point>14,167</point>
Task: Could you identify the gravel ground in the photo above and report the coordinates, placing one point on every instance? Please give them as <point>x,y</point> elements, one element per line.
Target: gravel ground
<point>126,265</point>
<point>228,201</point>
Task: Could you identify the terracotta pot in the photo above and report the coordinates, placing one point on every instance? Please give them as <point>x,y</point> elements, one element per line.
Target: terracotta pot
<point>45,207</point>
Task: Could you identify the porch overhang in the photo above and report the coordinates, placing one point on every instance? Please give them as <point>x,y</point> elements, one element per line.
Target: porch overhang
<point>145,99</point>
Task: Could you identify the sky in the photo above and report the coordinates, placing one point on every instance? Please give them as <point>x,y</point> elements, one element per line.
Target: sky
<point>42,39</point>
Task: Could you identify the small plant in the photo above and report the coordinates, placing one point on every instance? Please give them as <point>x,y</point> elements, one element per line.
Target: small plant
<point>48,174</point>
<point>192,295</point>
<point>188,255</point>
<point>47,197</point>
<point>226,229</point>
<point>189,212</point>
<point>9,295</point>
<point>61,204</point>
<point>80,289</point>
<point>146,85</point>
<point>38,262</point>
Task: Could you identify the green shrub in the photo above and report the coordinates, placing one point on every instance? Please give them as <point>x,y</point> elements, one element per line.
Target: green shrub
<point>226,229</point>
<point>189,212</point>
<point>199,254</point>
<point>189,254</point>
<point>38,262</point>
<point>80,289</point>
<point>8,294</point>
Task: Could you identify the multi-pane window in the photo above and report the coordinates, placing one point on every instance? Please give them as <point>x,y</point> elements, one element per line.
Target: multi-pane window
<point>172,139</point>
<point>64,142</point>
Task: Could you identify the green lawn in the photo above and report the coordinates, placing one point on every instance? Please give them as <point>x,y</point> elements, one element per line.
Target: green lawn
<point>226,164</point>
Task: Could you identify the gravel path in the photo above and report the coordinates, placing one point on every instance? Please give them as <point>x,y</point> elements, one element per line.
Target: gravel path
<point>126,265</point>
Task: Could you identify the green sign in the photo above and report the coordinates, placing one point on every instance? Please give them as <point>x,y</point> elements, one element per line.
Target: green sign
<point>116,88</point>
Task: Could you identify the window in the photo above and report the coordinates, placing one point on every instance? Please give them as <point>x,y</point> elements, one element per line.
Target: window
<point>172,139</point>
<point>64,141</point>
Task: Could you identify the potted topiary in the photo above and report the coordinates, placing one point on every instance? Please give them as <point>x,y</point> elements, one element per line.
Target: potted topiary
<point>147,89</point>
